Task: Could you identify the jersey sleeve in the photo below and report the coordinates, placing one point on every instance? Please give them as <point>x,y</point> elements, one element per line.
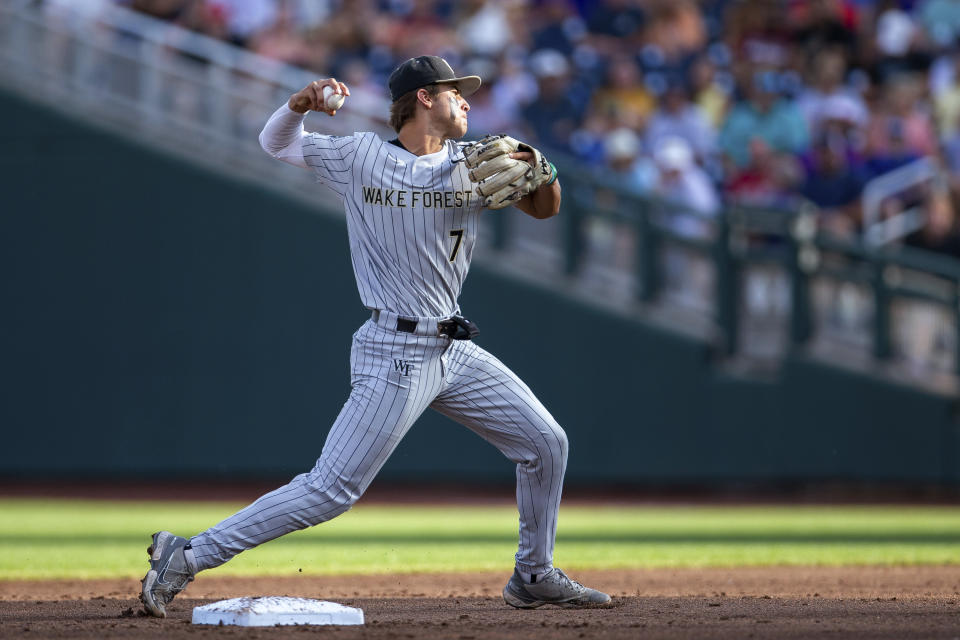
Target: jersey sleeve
<point>331,158</point>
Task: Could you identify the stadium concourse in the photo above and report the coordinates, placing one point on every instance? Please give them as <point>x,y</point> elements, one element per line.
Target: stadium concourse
<point>719,101</point>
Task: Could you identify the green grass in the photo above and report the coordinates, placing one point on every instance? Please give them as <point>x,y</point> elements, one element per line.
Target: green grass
<point>90,539</point>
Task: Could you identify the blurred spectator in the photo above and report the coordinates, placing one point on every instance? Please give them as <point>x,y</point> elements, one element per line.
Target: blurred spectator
<point>824,24</point>
<point>487,115</point>
<point>515,88</point>
<point>951,153</point>
<point>943,71</point>
<point>895,31</point>
<point>770,179</point>
<point>834,183</point>
<point>587,142</point>
<point>947,101</point>
<point>485,27</point>
<point>708,94</point>
<point>675,28</point>
<point>899,130</point>
<point>162,9</point>
<point>206,18</point>
<point>282,40</point>
<point>246,18</point>
<point>554,115</point>
<point>756,33</point>
<point>940,233</point>
<point>763,116</point>
<point>561,28</point>
<point>689,200</point>
<point>614,25</point>
<point>419,24</point>
<point>826,91</point>
<point>366,94</point>
<point>622,151</point>
<point>677,117</point>
<point>623,98</point>
<point>899,42</point>
<point>680,181</point>
<point>348,36</point>
<point>941,19</point>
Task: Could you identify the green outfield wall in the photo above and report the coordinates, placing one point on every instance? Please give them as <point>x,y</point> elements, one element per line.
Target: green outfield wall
<point>156,317</point>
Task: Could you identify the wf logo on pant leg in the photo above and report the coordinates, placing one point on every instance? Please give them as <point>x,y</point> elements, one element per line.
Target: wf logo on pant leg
<point>402,366</point>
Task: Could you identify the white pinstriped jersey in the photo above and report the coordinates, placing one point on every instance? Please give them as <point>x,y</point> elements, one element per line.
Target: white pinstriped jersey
<point>412,223</point>
<point>412,220</point>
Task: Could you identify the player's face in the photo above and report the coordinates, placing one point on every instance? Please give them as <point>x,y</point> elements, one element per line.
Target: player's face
<point>453,111</point>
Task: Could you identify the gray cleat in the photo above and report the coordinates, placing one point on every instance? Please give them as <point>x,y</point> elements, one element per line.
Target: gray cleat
<point>553,587</point>
<point>171,569</point>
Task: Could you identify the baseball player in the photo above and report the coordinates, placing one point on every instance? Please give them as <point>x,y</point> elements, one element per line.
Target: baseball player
<point>413,206</point>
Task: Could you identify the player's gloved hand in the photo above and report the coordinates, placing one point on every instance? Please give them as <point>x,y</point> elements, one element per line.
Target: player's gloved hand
<point>310,98</point>
<point>502,178</point>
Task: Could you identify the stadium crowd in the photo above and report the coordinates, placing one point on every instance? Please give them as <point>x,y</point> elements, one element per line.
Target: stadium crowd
<point>767,102</point>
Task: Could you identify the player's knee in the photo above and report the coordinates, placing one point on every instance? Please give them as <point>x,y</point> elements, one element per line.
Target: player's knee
<point>562,445</point>
<point>552,449</point>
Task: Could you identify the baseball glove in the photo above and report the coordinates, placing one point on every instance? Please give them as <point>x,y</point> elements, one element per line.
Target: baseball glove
<point>500,179</point>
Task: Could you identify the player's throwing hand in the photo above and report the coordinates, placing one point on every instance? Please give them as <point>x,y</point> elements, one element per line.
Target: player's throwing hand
<point>311,98</point>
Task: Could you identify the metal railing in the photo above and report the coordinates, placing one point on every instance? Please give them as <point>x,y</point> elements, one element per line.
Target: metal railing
<point>916,288</point>
<point>879,230</point>
<point>755,282</point>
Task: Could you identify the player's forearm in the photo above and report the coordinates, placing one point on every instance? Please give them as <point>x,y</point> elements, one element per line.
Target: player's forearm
<point>543,203</point>
<point>282,136</point>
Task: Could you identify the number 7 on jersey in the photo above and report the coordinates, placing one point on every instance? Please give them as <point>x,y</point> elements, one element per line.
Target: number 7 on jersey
<point>458,234</point>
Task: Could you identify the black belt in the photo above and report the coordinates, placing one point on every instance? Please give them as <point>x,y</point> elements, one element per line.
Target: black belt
<point>457,327</point>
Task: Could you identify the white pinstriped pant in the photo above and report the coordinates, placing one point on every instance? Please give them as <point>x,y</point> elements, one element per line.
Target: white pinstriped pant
<point>395,377</point>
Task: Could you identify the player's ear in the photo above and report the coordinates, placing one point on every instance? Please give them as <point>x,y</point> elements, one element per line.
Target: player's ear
<point>425,98</point>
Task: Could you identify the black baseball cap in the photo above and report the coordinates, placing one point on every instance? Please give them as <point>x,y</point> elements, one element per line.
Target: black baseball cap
<point>425,70</point>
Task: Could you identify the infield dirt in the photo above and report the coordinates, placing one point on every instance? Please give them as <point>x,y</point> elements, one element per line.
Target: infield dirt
<point>789,602</point>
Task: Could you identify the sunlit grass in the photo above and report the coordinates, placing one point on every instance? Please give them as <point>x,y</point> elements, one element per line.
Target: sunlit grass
<point>87,539</point>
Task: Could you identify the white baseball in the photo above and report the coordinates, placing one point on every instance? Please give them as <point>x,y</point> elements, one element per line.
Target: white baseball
<point>331,100</point>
